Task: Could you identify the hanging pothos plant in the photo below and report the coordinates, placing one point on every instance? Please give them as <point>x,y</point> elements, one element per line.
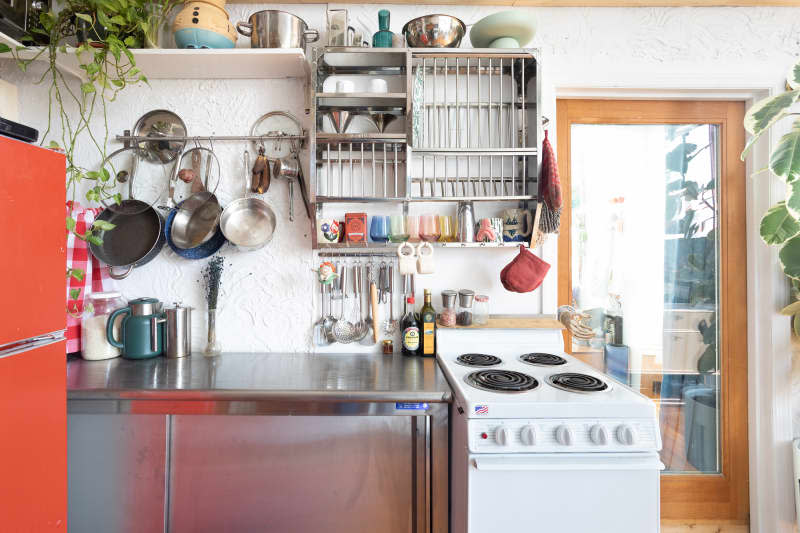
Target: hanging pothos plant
<point>780,225</point>
<point>106,31</point>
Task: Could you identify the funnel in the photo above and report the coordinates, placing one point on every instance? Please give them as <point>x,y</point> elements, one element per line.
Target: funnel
<point>340,120</point>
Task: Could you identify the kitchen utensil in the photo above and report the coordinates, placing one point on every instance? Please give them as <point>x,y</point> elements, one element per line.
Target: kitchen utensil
<point>196,220</point>
<point>132,178</point>
<point>466,222</point>
<point>390,326</point>
<point>272,28</point>
<point>379,229</point>
<point>178,332</point>
<point>507,29</point>
<point>206,249</point>
<point>135,240</point>
<point>142,329</point>
<point>525,273</point>
<point>288,168</point>
<point>160,123</point>
<point>344,330</point>
<point>249,223</point>
<point>406,255</point>
<point>320,337</point>
<point>204,24</point>
<point>425,262</point>
<point>276,125</point>
<point>429,227</point>
<point>205,169</point>
<point>329,319</point>
<point>383,37</point>
<point>340,119</point>
<point>373,298</point>
<point>434,31</point>
<point>368,277</point>
<point>381,281</point>
<point>261,173</point>
<point>361,328</point>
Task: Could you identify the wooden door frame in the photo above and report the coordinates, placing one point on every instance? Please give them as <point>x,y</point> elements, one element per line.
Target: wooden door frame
<point>690,497</point>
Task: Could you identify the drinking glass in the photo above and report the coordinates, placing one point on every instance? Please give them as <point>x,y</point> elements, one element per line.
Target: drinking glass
<point>379,229</point>
<point>397,229</point>
<point>429,228</point>
<point>447,229</point>
<point>412,225</point>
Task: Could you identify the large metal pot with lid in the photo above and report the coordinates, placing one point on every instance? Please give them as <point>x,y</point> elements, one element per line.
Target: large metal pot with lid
<point>273,28</point>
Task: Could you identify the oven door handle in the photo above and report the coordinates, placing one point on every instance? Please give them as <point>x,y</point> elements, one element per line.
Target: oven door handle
<point>568,462</point>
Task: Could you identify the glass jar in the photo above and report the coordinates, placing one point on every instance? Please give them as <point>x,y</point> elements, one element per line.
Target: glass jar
<point>480,316</point>
<point>98,307</point>
<point>465,300</point>
<point>447,317</point>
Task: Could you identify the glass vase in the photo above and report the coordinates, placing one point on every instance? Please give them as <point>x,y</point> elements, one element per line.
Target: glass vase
<point>213,347</point>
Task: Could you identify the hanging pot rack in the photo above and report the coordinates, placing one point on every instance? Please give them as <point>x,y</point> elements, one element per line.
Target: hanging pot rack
<point>129,139</point>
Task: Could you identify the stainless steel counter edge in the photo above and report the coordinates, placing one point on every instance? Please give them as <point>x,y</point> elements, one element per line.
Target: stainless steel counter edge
<point>254,395</point>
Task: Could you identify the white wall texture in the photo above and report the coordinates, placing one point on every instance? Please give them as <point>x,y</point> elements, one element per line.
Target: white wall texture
<point>269,295</point>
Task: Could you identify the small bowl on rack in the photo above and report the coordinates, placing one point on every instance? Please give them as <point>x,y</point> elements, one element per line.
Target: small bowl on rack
<point>434,31</point>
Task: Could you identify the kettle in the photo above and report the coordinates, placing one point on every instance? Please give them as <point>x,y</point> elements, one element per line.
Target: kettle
<point>141,331</point>
<point>466,222</point>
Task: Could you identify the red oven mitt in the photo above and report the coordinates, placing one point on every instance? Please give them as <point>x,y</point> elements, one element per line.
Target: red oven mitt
<point>525,273</point>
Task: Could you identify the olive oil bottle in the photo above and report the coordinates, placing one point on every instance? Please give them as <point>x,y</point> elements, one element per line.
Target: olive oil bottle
<point>427,319</point>
<point>409,331</point>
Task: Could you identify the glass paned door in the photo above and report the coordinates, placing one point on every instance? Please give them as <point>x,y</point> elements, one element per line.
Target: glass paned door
<point>645,266</point>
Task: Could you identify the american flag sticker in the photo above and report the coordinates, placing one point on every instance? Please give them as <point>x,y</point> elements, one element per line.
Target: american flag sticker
<point>481,409</point>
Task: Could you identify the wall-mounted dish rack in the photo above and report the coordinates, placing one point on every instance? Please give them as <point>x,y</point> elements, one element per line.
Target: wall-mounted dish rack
<point>454,125</point>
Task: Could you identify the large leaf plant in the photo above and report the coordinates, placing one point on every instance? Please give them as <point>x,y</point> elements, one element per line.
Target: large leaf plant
<point>78,109</point>
<point>780,225</point>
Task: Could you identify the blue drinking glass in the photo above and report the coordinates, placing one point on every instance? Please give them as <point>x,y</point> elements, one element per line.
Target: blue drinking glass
<point>379,229</point>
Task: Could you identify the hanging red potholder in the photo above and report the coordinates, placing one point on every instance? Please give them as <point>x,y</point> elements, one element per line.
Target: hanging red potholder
<point>549,182</point>
<point>525,273</point>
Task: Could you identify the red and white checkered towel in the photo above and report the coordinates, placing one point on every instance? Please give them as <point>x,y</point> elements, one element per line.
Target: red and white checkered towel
<point>78,257</point>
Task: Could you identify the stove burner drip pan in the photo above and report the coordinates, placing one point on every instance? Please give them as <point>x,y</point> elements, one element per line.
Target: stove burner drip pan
<point>574,382</point>
<point>478,359</point>
<point>501,381</point>
<point>542,359</point>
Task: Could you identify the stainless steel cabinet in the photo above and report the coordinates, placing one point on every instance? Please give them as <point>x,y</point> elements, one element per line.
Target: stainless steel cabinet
<point>286,473</point>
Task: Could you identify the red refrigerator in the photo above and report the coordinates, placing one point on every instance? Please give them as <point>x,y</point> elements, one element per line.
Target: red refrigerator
<point>33,402</point>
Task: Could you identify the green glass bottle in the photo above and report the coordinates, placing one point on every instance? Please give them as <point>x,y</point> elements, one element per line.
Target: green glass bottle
<point>382,37</point>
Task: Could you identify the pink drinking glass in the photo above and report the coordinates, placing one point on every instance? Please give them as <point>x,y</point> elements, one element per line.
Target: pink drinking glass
<point>412,226</point>
<point>429,228</point>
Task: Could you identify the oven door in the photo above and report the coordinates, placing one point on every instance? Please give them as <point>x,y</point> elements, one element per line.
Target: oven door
<point>564,493</point>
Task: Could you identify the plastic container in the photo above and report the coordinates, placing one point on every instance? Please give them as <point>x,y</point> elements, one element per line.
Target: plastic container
<point>98,307</point>
<point>480,310</point>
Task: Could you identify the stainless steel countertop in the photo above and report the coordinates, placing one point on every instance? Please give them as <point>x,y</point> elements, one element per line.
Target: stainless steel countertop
<point>261,376</point>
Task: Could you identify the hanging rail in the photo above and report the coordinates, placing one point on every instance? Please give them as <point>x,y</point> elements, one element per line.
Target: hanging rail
<point>127,138</point>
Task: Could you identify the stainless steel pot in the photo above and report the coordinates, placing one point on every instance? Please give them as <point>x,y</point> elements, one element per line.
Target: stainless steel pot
<point>272,28</point>
<point>135,240</point>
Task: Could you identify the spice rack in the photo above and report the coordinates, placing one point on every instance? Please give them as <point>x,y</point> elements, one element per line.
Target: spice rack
<point>470,119</point>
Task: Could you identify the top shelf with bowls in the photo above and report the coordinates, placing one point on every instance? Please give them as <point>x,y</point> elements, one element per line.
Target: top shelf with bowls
<point>216,63</point>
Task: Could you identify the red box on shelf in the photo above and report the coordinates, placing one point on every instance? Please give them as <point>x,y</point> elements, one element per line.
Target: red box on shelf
<point>355,225</point>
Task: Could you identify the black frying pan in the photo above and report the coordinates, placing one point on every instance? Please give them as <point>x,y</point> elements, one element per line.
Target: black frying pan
<point>135,241</point>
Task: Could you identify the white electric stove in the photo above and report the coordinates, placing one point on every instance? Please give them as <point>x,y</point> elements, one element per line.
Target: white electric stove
<point>543,443</point>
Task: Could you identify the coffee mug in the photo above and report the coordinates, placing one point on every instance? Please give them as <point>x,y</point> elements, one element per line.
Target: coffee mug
<point>406,258</point>
<point>425,263</point>
<point>517,225</point>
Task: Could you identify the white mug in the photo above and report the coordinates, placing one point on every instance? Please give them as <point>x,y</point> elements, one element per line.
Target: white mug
<point>378,85</point>
<point>425,262</point>
<point>344,86</point>
<point>406,256</point>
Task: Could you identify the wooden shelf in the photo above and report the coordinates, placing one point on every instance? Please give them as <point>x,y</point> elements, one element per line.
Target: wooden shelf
<point>220,63</point>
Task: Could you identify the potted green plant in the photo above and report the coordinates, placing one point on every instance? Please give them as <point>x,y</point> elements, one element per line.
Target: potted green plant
<point>780,225</point>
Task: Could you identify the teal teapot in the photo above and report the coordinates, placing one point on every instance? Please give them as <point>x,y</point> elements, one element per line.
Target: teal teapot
<point>141,331</point>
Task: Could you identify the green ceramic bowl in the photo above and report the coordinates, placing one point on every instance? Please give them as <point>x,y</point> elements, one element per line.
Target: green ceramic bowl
<point>506,29</point>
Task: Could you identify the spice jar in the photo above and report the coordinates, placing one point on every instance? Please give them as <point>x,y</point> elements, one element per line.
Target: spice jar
<point>480,315</point>
<point>388,346</point>
<point>99,306</point>
<point>447,317</point>
<point>465,298</point>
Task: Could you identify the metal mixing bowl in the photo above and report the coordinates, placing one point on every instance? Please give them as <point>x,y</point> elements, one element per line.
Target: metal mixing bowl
<point>434,31</point>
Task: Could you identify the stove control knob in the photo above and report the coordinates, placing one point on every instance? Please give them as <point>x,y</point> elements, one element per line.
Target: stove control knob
<point>599,434</point>
<point>627,435</point>
<point>528,435</point>
<point>564,435</point>
<point>503,436</point>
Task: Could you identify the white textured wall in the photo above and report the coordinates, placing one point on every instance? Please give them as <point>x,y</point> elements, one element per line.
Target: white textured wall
<point>268,296</point>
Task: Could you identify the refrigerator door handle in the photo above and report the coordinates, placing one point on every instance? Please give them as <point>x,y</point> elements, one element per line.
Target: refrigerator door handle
<point>24,345</point>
